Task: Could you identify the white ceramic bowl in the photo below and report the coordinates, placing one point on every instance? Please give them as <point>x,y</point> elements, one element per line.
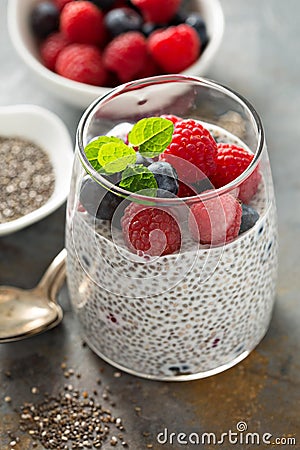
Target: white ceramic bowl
<point>49,132</point>
<point>80,94</point>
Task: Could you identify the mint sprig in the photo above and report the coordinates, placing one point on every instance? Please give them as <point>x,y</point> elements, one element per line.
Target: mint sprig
<point>91,151</point>
<point>139,178</point>
<point>109,154</point>
<point>152,135</point>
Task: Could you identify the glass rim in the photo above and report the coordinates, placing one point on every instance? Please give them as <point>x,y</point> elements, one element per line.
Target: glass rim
<point>161,79</point>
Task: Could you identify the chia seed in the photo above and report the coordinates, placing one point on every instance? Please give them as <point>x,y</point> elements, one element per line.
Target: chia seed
<point>52,422</point>
<point>68,420</point>
<point>27,178</point>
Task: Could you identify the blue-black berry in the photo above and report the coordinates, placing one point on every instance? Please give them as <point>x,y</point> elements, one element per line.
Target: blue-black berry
<point>202,185</point>
<point>98,201</point>
<point>197,22</point>
<point>180,17</point>
<point>142,160</point>
<point>249,218</point>
<point>166,177</point>
<point>44,19</point>
<point>149,27</point>
<point>104,4</point>
<point>121,20</point>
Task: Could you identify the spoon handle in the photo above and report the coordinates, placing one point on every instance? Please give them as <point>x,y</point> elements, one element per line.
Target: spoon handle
<point>55,274</point>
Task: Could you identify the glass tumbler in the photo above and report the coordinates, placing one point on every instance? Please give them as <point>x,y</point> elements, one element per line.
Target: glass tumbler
<point>202,306</point>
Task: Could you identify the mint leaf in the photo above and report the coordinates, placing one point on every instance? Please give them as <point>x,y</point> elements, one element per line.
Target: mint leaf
<point>115,157</point>
<point>91,151</point>
<point>139,178</point>
<point>152,135</point>
<point>109,154</point>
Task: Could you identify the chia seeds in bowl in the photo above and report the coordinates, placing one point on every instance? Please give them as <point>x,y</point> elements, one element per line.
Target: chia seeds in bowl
<point>27,178</point>
<point>179,316</point>
<point>37,156</point>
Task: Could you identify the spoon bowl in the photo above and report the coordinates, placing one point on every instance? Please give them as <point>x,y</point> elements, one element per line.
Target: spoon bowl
<point>24,313</point>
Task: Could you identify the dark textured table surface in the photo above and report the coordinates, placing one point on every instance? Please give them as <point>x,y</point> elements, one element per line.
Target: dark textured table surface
<point>259,57</point>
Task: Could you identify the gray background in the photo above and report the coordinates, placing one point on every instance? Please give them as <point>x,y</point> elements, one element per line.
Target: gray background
<point>259,58</point>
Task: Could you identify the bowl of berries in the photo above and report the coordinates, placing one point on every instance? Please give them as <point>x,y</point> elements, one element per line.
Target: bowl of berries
<point>80,49</point>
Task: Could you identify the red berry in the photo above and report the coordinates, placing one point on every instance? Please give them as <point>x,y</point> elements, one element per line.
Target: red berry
<point>184,190</point>
<point>172,118</point>
<point>215,221</point>
<point>192,152</point>
<point>157,11</point>
<point>175,48</point>
<point>82,22</point>
<point>51,47</point>
<point>232,161</point>
<point>126,55</point>
<point>150,68</point>
<point>153,231</point>
<point>82,63</point>
<point>61,3</point>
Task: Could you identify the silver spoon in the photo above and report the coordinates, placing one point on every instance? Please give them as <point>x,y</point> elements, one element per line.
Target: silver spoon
<point>24,313</point>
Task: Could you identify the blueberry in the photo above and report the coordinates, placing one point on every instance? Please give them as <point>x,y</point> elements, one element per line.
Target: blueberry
<point>98,201</point>
<point>165,175</point>
<point>142,160</point>
<point>180,17</point>
<point>196,21</point>
<point>104,4</point>
<point>121,20</point>
<point>181,369</point>
<point>44,19</point>
<point>162,193</point>
<point>149,27</point>
<point>202,185</point>
<point>249,218</point>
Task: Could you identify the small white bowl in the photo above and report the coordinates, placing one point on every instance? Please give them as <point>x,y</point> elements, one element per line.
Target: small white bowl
<point>80,94</point>
<point>49,132</point>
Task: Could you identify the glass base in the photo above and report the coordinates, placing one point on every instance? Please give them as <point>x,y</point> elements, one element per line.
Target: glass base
<point>187,377</point>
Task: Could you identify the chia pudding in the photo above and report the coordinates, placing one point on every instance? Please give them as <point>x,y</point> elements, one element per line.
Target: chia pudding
<point>184,315</point>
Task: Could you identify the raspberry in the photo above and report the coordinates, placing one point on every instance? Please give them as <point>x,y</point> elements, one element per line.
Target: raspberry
<point>157,11</point>
<point>150,68</point>
<point>175,48</point>
<point>82,22</point>
<point>172,118</point>
<point>82,63</point>
<point>232,161</point>
<point>150,230</point>
<point>184,190</point>
<point>215,221</point>
<point>126,55</point>
<point>192,152</point>
<point>61,3</point>
<point>51,48</point>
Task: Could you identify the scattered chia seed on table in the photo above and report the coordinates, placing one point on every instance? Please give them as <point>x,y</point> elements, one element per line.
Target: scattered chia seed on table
<point>71,419</point>
<point>26,178</point>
